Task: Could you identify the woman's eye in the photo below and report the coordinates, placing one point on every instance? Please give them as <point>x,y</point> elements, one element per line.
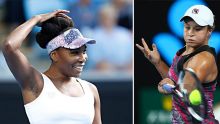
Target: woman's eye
<point>198,29</point>
<point>78,52</point>
<point>74,52</point>
<point>187,28</point>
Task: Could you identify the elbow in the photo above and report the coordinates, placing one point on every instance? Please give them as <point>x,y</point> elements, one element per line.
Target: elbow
<point>7,47</point>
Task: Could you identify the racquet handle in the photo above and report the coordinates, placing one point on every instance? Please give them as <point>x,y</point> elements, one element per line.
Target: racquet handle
<point>168,87</point>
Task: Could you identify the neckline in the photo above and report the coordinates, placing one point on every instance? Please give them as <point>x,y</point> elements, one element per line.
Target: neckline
<point>181,51</point>
<point>81,96</point>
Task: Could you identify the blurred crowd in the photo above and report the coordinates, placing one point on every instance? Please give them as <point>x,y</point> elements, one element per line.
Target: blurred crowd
<point>109,22</point>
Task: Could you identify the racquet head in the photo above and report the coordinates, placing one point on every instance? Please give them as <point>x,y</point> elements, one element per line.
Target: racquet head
<point>192,93</point>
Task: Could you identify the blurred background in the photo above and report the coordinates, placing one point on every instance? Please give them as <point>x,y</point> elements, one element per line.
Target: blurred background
<point>110,64</point>
<point>158,22</point>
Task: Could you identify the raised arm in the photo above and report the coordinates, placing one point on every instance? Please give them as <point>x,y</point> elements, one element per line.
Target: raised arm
<point>22,70</point>
<point>154,57</point>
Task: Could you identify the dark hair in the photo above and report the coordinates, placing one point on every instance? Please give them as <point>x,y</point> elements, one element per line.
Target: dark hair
<point>52,28</point>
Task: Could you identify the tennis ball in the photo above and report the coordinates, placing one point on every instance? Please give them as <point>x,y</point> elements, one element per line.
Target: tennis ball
<point>195,97</point>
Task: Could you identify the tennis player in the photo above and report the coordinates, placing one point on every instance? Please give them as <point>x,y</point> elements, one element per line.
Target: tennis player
<point>58,95</point>
<point>196,54</point>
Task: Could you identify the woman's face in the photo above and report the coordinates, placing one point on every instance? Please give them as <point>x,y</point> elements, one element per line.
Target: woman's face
<point>71,61</point>
<point>195,35</point>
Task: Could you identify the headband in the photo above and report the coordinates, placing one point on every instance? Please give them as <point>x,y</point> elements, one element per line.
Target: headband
<point>71,39</point>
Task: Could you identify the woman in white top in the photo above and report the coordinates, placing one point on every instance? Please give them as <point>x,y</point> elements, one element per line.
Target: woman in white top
<point>56,96</point>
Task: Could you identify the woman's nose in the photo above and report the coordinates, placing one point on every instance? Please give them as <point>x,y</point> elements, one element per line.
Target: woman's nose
<point>83,57</point>
<point>190,32</point>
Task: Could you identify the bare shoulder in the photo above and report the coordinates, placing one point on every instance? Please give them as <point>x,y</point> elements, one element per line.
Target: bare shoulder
<point>204,65</point>
<point>207,55</point>
<point>204,59</point>
<point>93,88</point>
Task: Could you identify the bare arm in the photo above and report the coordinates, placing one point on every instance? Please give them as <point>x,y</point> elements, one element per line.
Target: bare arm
<point>17,62</point>
<point>162,68</point>
<point>22,70</point>
<point>97,118</point>
<point>154,57</point>
<point>204,66</point>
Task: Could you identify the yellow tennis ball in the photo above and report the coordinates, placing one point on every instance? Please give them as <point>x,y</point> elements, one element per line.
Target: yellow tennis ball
<point>195,97</point>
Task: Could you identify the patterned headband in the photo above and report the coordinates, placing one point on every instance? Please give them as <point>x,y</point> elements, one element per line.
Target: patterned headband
<point>71,39</point>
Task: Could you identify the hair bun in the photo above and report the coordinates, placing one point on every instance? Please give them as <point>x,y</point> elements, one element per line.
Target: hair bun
<point>52,28</point>
<point>41,38</point>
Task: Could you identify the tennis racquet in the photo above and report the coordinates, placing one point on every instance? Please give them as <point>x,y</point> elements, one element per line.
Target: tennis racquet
<point>190,90</point>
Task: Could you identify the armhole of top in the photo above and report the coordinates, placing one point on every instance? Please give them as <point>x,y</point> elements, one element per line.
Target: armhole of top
<point>86,86</point>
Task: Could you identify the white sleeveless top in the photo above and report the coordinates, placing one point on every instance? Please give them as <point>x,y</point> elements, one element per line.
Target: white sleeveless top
<point>53,107</point>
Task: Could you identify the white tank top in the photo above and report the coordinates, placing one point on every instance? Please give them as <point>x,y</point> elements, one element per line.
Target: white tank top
<point>53,107</point>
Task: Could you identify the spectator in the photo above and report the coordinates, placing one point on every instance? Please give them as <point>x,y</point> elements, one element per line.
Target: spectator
<point>114,43</point>
<point>124,10</point>
<point>84,14</point>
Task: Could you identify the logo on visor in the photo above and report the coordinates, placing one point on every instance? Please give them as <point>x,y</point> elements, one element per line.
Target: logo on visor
<point>195,11</point>
<point>71,36</point>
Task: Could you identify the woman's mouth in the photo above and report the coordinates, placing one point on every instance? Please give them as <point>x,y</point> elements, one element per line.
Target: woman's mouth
<point>190,41</point>
<point>78,67</point>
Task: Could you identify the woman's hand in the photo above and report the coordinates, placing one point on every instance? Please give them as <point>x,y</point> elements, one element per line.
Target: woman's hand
<point>152,55</point>
<point>46,16</point>
<point>162,82</point>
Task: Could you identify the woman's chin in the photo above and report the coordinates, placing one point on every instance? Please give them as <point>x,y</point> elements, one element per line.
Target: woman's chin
<point>76,75</point>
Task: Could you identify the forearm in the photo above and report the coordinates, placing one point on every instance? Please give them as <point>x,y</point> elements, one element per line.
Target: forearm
<point>16,37</point>
<point>162,68</point>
